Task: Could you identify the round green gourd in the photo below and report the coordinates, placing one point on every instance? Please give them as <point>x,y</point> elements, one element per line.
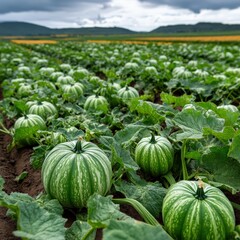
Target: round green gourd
<point>24,90</point>
<point>127,93</point>
<point>194,210</point>
<point>154,155</point>
<point>72,92</point>
<point>96,103</point>
<point>29,120</point>
<point>44,109</point>
<point>73,171</point>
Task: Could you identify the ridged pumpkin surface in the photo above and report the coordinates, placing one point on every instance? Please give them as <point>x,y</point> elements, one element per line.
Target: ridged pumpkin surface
<point>155,157</point>
<point>73,176</point>
<point>96,103</point>
<point>128,93</point>
<point>188,217</point>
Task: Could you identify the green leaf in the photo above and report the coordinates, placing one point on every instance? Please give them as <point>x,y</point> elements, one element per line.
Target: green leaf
<point>226,134</point>
<point>80,230</point>
<point>179,101</point>
<point>146,110</point>
<point>150,195</point>
<point>122,230</point>
<point>21,106</point>
<point>101,210</point>
<point>25,135</point>
<point>123,157</point>
<point>192,122</point>
<point>51,205</point>
<point>229,116</point>
<point>130,134</point>
<point>219,168</point>
<point>36,223</point>
<point>234,150</point>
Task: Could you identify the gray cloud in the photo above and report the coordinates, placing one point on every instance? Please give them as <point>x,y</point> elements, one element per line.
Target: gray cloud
<point>197,5</point>
<point>7,6</point>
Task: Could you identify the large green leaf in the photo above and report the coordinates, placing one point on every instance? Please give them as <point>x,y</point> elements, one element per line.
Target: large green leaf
<point>220,169</point>
<point>36,223</point>
<point>146,110</point>
<point>101,210</point>
<point>150,195</point>
<point>193,122</point>
<point>122,230</point>
<point>178,101</point>
<point>234,150</point>
<point>80,230</point>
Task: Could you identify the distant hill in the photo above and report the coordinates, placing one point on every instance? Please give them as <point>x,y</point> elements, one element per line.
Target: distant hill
<point>199,27</point>
<point>29,29</point>
<point>22,29</point>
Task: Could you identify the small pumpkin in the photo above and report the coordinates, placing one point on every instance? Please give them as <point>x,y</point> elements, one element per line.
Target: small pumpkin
<point>127,93</point>
<point>154,155</point>
<point>31,121</point>
<point>44,109</point>
<point>72,92</point>
<point>73,171</point>
<point>193,210</point>
<point>96,103</point>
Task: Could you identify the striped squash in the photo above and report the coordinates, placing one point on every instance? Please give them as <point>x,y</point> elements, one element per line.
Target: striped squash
<point>72,92</point>
<point>127,93</point>
<point>96,103</point>
<point>64,80</point>
<point>154,155</point>
<point>44,109</point>
<point>193,210</point>
<point>73,171</point>
<point>29,121</point>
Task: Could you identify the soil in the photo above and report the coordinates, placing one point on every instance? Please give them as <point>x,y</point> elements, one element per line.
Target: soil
<point>13,163</point>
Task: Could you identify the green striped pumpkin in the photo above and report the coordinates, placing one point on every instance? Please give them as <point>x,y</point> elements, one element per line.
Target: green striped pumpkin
<point>64,80</point>
<point>44,109</point>
<point>73,171</point>
<point>127,93</point>
<point>154,155</point>
<point>72,92</point>
<point>96,103</point>
<point>31,121</point>
<point>194,210</point>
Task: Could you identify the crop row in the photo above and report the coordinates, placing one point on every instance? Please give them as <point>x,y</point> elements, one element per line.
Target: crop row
<point>156,123</point>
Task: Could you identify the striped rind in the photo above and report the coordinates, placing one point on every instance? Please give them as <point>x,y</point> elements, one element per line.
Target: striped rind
<point>72,92</point>
<point>73,177</point>
<point>30,120</point>
<point>155,159</point>
<point>65,80</point>
<point>45,109</point>
<point>96,103</point>
<point>128,93</point>
<point>187,218</point>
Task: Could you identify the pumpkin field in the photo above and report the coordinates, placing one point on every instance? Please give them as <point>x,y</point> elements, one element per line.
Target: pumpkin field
<point>119,141</point>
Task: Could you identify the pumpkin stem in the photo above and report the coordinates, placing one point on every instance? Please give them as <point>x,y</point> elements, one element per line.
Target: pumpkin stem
<point>152,140</point>
<point>78,146</point>
<point>200,192</point>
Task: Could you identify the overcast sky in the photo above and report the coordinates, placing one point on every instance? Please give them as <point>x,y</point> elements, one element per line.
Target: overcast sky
<point>139,15</point>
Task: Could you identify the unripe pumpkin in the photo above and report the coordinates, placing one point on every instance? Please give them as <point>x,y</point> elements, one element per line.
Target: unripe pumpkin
<point>197,211</point>
<point>154,155</point>
<point>73,171</point>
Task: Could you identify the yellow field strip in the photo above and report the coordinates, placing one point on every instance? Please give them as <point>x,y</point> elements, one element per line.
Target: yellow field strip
<point>199,38</point>
<point>26,41</point>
